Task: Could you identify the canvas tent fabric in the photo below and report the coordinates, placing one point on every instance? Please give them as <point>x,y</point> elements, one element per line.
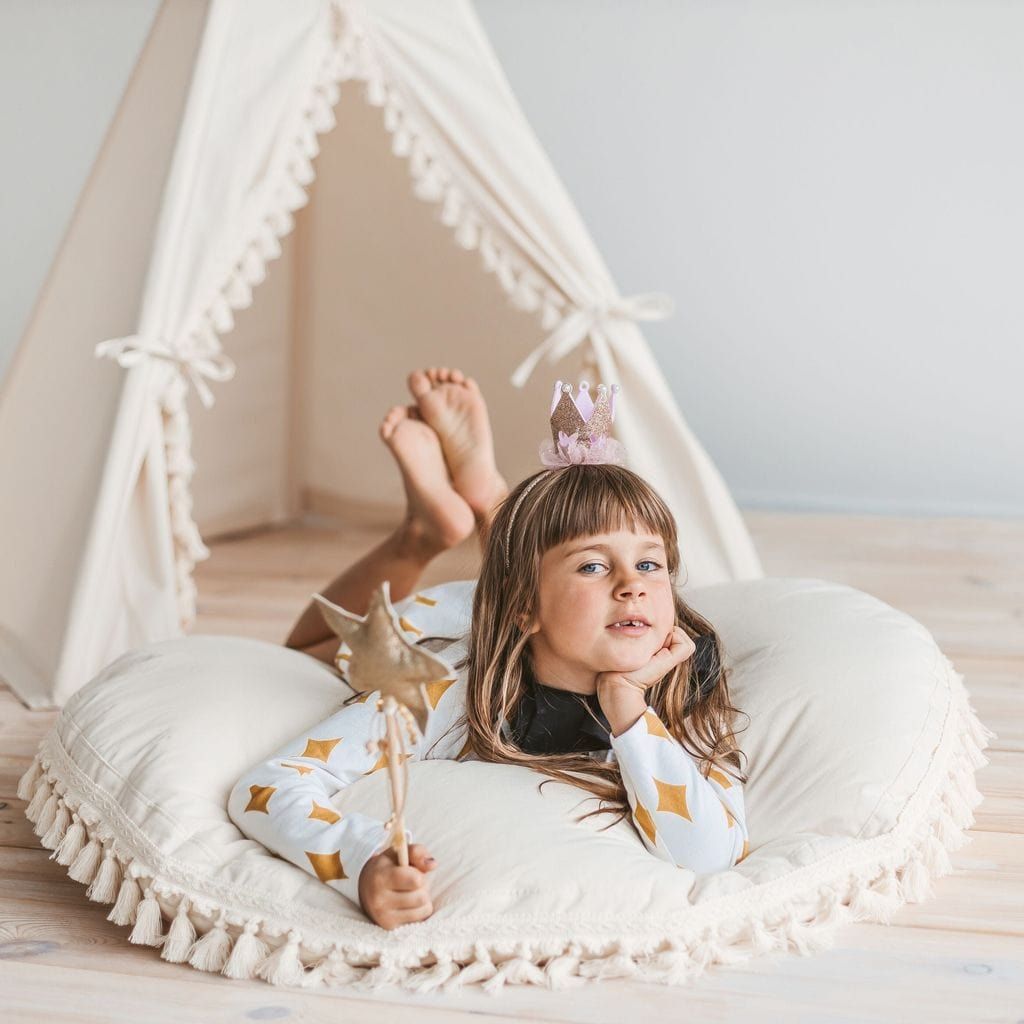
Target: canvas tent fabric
<point>268,84</point>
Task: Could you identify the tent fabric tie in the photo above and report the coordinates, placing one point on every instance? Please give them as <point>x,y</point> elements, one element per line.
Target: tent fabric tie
<point>584,321</point>
<point>136,348</point>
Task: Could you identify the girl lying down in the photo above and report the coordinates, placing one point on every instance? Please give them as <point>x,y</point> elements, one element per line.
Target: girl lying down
<point>581,657</point>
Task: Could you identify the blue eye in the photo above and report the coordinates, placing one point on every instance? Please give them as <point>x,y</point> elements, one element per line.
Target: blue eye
<point>649,561</point>
<point>587,566</point>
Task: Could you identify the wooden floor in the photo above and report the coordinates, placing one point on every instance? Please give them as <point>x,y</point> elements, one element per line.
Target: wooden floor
<point>957,957</point>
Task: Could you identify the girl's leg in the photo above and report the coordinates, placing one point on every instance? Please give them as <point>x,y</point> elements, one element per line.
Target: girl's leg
<point>437,518</point>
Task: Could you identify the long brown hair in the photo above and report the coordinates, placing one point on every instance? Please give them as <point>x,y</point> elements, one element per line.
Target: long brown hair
<point>557,506</point>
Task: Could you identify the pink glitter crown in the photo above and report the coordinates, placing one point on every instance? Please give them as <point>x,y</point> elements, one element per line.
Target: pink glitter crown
<point>581,427</point>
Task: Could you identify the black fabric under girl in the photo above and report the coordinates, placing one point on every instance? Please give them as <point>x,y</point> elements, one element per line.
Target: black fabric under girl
<point>548,720</point>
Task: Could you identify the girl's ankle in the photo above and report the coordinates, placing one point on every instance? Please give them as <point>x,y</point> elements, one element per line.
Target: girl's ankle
<point>414,540</point>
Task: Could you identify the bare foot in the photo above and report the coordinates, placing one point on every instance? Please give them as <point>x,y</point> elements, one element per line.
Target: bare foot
<point>438,518</point>
<point>453,405</point>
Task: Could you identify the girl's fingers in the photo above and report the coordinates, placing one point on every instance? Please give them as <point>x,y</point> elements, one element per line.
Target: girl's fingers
<point>404,879</point>
<point>409,900</point>
<point>419,857</point>
<point>416,914</point>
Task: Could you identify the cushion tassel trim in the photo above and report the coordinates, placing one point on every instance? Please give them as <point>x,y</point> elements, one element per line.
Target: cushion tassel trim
<point>902,868</point>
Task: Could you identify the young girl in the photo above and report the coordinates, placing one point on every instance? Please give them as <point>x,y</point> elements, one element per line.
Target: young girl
<point>573,654</point>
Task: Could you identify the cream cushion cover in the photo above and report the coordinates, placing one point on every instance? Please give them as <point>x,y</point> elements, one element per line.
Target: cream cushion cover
<point>861,749</point>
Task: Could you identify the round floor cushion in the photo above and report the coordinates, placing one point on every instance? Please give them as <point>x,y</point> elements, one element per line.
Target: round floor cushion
<point>861,743</point>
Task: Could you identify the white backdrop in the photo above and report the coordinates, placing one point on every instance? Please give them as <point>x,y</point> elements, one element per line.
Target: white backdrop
<point>829,191</point>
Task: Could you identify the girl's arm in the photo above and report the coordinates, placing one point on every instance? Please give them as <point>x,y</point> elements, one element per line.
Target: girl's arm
<point>284,802</point>
<point>694,822</point>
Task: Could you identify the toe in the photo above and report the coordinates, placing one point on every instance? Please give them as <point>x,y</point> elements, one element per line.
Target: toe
<point>457,376</point>
<point>391,420</point>
<point>419,383</point>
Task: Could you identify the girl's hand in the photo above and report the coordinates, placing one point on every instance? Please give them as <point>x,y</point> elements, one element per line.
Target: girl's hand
<point>677,648</point>
<point>392,895</point>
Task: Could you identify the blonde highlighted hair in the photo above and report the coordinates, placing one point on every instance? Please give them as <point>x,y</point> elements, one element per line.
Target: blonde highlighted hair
<point>548,509</point>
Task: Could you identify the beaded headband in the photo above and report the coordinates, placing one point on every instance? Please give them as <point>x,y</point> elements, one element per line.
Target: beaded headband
<point>580,435</point>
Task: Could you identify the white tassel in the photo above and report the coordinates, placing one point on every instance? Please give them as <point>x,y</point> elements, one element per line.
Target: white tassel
<point>430,978</point>
<point>762,939</point>
<point>451,208</point>
<point>148,930</point>
<point>180,936</point>
<point>480,968</point>
<point>915,885</point>
<point>672,967</point>
<point>27,783</point>
<point>935,857</point>
<point>401,142</point>
<point>220,315</point>
<point>268,242</point>
<point>212,950</point>
<point>877,901</point>
<point>39,798</point>
<point>467,234</point>
<point>237,292</point>
<point>247,953</point>
<point>292,195</point>
<point>808,939</point>
<point>48,814</point>
<point>58,829</point>
<point>831,910</point>
<point>506,276</point>
<point>301,169</point>
<point>335,970</point>
<point>618,965</point>
<point>283,966</point>
<point>382,976</point>
<point>706,950</point>
<point>947,832</point>
<point>522,971</point>
<point>105,885</point>
<point>562,971</point>
<point>127,903</point>
<point>309,145</point>
<point>83,868</point>
<point>72,843</point>
<point>252,265</point>
<point>376,94</point>
<point>281,221</point>
<point>322,118</point>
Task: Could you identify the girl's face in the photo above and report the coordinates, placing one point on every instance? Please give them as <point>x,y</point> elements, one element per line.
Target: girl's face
<point>587,587</point>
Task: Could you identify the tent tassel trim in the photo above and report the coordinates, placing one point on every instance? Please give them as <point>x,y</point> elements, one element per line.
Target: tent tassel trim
<point>218,930</point>
<point>316,116</point>
<point>350,55</point>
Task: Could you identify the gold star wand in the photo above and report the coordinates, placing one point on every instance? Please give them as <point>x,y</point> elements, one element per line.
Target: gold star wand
<point>383,658</point>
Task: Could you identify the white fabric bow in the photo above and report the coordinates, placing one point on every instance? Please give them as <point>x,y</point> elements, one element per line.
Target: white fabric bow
<point>136,348</point>
<point>586,321</point>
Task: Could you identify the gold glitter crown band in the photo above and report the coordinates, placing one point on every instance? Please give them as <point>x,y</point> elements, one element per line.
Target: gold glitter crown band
<point>580,435</point>
<point>581,428</point>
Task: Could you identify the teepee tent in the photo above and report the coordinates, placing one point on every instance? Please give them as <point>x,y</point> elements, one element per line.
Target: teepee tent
<point>386,135</point>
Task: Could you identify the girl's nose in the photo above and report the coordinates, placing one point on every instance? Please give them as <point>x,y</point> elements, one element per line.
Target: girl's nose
<point>632,587</point>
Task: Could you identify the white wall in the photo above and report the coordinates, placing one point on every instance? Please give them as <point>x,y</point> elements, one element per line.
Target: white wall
<point>831,192</point>
<point>64,65</point>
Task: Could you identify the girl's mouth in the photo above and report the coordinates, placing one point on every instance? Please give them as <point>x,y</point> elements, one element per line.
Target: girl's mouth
<point>630,627</point>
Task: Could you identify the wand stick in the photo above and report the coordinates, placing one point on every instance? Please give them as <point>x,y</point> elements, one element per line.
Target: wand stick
<point>394,747</point>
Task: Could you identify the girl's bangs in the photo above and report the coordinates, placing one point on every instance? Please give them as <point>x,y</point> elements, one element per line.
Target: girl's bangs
<point>585,504</point>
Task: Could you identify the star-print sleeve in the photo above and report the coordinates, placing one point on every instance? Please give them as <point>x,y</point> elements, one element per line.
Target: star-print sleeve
<point>694,822</point>
<point>284,802</point>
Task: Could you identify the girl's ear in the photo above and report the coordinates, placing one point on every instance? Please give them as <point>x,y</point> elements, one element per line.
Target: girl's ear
<point>523,621</point>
